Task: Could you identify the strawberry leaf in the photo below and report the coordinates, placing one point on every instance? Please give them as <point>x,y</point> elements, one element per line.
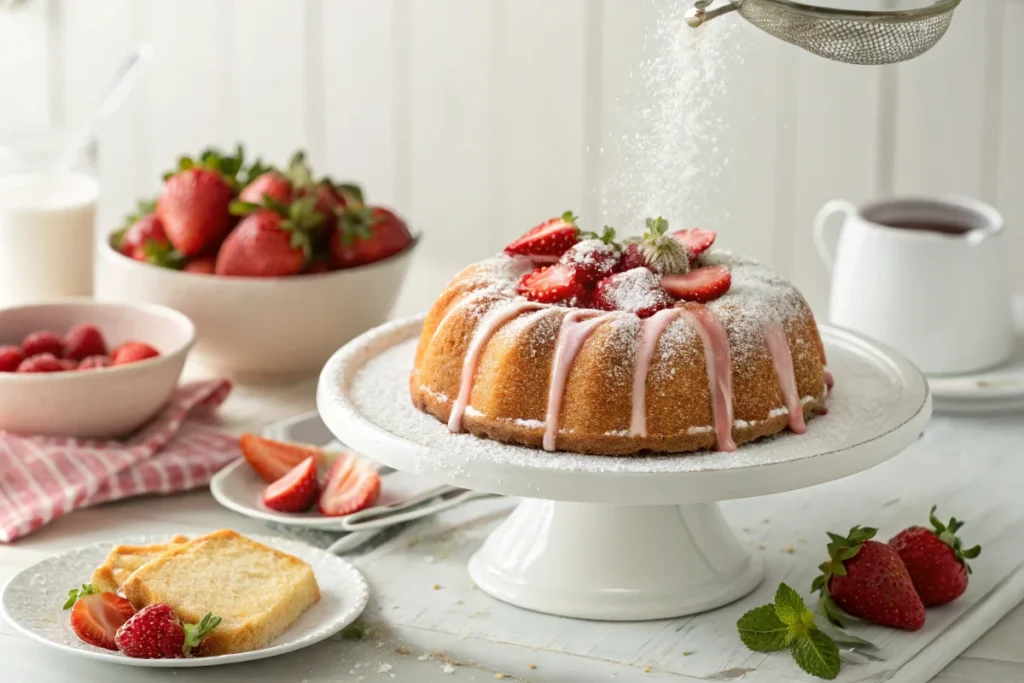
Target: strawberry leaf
<point>947,534</point>
<point>761,630</point>
<point>817,654</point>
<point>195,633</point>
<point>75,593</point>
<point>352,194</point>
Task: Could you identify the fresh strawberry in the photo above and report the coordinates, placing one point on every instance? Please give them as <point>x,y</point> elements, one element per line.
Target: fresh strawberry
<point>658,251</point>
<point>156,632</point>
<point>367,235</point>
<point>295,491</point>
<point>551,284</point>
<point>201,265</point>
<point>271,184</point>
<point>10,358</point>
<point>144,239</point>
<point>585,299</point>
<point>274,459</point>
<point>68,364</point>
<point>83,341</point>
<point>701,284</point>
<point>593,259</point>
<point>634,291</point>
<point>43,362</point>
<point>272,242</point>
<point>696,241</point>
<point>96,617</point>
<point>632,258</point>
<point>42,342</point>
<point>867,579</point>
<point>194,205</point>
<point>935,559</point>
<point>352,484</point>
<point>318,265</point>
<point>95,362</point>
<point>132,352</point>
<point>553,237</point>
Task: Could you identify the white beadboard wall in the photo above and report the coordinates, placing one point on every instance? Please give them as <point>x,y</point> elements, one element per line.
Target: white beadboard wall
<point>477,118</point>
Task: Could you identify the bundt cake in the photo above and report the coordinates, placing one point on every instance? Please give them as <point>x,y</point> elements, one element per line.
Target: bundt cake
<point>569,341</point>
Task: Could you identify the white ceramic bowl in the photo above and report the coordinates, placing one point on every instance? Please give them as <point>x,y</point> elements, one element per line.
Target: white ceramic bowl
<point>252,328</point>
<point>100,403</point>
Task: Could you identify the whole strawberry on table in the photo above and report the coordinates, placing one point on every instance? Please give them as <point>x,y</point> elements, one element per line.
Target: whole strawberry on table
<point>217,215</point>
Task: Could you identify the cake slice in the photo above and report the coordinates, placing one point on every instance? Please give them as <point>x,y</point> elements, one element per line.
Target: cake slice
<point>257,591</point>
<point>125,559</point>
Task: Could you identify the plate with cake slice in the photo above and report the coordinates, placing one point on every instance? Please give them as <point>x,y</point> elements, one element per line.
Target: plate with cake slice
<point>177,602</point>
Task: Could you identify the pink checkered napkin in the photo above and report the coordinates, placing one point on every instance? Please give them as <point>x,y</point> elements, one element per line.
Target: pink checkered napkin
<point>42,478</point>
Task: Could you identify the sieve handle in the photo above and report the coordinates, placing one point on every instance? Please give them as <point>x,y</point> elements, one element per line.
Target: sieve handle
<point>705,10</point>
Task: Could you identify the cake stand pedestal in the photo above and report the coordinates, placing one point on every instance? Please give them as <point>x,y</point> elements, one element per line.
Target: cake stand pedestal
<point>621,538</point>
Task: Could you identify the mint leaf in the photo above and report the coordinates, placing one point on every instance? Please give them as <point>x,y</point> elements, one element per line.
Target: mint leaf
<point>789,606</point>
<point>817,654</point>
<point>761,630</point>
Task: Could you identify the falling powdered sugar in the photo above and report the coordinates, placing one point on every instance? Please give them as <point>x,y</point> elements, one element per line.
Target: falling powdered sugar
<point>675,142</point>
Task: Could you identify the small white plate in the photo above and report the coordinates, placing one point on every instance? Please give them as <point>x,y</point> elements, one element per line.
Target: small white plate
<point>238,488</point>
<point>32,602</point>
<point>999,389</point>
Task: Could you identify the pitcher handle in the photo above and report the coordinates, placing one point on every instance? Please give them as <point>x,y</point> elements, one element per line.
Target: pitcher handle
<point>825,239</point>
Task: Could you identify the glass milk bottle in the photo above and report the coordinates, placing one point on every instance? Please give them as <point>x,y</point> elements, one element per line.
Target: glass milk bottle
<point>47,216</point>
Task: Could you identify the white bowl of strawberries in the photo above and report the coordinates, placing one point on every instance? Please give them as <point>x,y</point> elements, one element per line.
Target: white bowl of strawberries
<point>87,369</point>
<point>276,268</point>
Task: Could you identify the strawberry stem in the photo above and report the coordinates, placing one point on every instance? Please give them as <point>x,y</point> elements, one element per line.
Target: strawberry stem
<point>195,633</point>
<point>75,593</point>
<point>947,534</point>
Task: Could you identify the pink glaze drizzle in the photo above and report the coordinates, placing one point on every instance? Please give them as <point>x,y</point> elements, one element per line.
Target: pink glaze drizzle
<point>716,355</point>
<point>651,331</point>
<point>488,326</point>
<point>575,330</point>
<point>782,359</point>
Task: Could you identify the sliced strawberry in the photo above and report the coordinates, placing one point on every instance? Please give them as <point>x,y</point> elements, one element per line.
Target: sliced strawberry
<point>274,459</point>
<point>696,240</point>
<point>550,285</point>
<point>635,291</point>
<point>295,491</point>
<point>352,484</point>
<point>701,284</point>
<point>132,352</point>
<point>553,237</point>
<point>95,617</point>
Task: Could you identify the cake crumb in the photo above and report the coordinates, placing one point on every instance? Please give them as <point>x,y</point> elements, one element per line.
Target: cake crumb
<point>789,549</point>
<point>448,669</point>
<point>383,668</point>
<point>437,586</point>
<point>647,669</point>
<point>424,657</point>
<point>429,559</point>
<point>499,676</point>
<point>687,653</point>
<point>532,665</point>
<point>403,650</point>
<point>766,521</point>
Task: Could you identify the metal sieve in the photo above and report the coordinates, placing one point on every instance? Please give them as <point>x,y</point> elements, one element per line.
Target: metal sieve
<point>843,35</point>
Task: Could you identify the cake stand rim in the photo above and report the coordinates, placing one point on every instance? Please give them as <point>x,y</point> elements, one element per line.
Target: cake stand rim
<point>341,416</point>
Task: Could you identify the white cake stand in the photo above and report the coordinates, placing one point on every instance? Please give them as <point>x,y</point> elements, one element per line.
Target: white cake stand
<point>621,538</point>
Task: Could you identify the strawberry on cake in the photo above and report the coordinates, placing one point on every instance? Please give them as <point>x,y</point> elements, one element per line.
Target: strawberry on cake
<point>572,341</point>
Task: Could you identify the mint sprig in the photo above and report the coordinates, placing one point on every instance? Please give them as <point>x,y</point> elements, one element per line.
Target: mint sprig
<point>788,624</point>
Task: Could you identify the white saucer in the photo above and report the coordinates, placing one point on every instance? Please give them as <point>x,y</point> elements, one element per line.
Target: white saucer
<point>33,598</point>
<point>997,390</point>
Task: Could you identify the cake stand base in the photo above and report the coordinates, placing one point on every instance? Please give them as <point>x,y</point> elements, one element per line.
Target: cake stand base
<point>621,563</point>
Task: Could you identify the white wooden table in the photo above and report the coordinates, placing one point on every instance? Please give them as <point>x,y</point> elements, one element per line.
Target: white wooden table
<point>997,658</point>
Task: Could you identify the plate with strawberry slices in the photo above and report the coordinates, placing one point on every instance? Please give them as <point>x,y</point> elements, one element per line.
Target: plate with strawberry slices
<point>104,625</point>
<point>319,488</point>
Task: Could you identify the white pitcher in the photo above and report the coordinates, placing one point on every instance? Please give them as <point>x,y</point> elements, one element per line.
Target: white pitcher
<point>929,277</point>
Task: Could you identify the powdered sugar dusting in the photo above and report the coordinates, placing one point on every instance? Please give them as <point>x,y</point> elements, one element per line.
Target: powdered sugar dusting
<point>635,290</point>
<point>869,397</point>
<point>592,252</point>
